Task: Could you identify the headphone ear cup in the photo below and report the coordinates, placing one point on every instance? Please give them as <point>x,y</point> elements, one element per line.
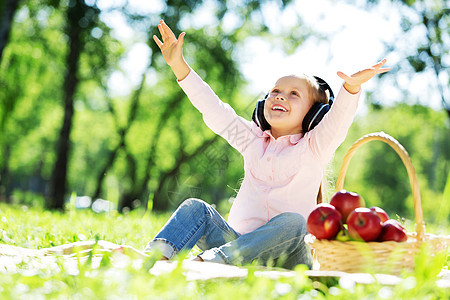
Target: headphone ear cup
<point>254,114</point>
<point>258,116</point>
<point>314,116</point>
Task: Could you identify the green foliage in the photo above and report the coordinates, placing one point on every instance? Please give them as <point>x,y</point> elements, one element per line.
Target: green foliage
<point>29,114</point>
<point>425,25</point>
<point>31,74</point>
<point>155,135</point>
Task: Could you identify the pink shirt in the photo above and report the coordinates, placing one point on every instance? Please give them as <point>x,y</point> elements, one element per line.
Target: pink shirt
<point>281,175</point>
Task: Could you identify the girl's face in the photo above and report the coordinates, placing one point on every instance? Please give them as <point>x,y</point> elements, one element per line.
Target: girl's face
<point>287,105</point>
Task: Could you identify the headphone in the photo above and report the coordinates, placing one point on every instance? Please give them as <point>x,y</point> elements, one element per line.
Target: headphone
<point>312,117</point>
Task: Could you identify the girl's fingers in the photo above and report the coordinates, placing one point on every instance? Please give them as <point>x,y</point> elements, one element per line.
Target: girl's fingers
<point>383,70</point>
<point>181,38</point>
<point>382,62</point>
<point>161,31</point>
<point>379,64</point>
<point>343,76</point>
<point>168,32</point>
<point>157,41</point>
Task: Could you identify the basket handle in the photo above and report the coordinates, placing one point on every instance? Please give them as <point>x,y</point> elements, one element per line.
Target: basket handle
<point>381,136</point>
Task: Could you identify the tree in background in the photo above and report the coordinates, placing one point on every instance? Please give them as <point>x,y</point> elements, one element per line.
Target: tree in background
<point>8,9</point>
<point>27,80</point>
<point>426,28</point>
<point>81,19</point>
<point>40,55</point>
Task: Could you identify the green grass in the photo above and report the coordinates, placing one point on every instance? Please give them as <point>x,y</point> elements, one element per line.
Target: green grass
<point>35,228</point>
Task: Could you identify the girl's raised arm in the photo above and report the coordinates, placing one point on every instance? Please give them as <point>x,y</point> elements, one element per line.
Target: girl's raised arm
<point>332,130</point>
<point>220,117</point>
<point>172,50</point>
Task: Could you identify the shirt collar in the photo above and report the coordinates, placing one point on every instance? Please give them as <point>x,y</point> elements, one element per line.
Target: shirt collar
<point>293,138</point>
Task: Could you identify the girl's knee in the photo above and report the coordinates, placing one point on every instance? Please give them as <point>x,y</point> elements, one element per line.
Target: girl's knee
<point>191,209</point>
<point>293,221</point>
<point>194,204</point>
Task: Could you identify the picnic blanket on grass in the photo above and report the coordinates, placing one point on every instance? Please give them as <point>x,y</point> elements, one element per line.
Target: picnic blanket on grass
<point>52,258</point>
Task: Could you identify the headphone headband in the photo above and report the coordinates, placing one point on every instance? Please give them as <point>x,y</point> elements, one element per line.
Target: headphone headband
<point>323,85</point>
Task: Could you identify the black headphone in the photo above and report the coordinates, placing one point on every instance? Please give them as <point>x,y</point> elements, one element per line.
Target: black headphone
<point>312,118</point>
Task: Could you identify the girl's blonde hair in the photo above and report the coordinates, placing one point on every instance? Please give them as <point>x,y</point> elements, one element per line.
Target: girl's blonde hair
<point>317,94</point>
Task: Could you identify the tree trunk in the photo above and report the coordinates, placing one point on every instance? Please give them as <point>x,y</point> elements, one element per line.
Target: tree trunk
<point>161,204</point>
<point>59,178</point>
<point>109,163</point>
<point>4,176</point>
<point>9,8</point>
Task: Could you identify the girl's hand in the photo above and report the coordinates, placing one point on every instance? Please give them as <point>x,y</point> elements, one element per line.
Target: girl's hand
<point>172,50</point>
<point>353,83</point>
<point>171,47</point>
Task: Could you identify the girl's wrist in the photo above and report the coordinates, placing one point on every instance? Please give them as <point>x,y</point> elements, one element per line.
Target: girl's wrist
<point>352,89</point>
<point>181,70</point>
<point>177,63</point>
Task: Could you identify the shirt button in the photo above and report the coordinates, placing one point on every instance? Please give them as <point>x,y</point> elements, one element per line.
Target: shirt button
<point>268,159</point>
<point>270,177</point>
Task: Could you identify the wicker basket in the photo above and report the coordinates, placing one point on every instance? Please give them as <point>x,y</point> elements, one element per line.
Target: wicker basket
<point>377,257</point>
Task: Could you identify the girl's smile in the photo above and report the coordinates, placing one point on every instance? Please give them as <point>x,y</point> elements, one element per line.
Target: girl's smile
<point>279,107</point>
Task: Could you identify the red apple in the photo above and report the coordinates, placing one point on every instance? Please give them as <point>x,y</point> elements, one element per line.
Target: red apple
<point>381,213</point>
<point>364,225</point>
<point>392,230</point>
<point>324,222</point>
<point>345,202</point>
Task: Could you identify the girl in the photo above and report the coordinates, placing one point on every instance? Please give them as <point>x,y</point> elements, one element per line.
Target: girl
<point>284,162</point>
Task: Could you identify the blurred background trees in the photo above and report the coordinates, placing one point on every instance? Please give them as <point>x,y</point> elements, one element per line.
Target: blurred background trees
<point>64,131</point>
<point>430,20</point>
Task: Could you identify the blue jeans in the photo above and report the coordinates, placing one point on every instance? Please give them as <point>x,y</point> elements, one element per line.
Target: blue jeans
<point>280,241</point>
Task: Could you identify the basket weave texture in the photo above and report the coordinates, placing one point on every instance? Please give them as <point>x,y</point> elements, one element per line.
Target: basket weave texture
<point>377,257</point>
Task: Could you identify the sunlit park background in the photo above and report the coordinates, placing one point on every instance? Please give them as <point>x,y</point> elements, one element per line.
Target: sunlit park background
<point>91,117</point>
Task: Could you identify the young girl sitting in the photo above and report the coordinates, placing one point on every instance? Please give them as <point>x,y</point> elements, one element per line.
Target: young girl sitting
<point>285,151</point>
